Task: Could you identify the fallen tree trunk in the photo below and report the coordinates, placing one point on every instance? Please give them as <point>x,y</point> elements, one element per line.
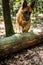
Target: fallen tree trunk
<point>18,41</point>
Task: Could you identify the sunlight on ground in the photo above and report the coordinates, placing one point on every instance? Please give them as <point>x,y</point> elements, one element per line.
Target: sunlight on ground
<point>2,29</point>
<point>37,31</point>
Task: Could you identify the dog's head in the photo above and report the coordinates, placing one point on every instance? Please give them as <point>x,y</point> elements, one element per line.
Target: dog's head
<point>27,9</point>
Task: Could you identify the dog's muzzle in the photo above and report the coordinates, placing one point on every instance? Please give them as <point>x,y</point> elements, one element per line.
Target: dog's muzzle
<point>26,17</point>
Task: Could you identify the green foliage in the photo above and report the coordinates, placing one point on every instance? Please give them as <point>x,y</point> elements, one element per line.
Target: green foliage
<point>15,5</point>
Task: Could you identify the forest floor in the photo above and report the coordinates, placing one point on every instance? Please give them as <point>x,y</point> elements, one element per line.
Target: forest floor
<point>30,56</point>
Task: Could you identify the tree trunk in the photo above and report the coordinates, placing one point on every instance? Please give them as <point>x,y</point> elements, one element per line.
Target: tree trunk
<point>18,42</point>
<point>7,18</point>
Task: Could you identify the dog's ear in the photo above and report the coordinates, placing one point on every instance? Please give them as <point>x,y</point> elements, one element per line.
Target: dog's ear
<point>24,4</point>
<point>32,4</point>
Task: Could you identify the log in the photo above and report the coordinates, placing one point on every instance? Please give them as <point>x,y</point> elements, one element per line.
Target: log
<point>18,41</point>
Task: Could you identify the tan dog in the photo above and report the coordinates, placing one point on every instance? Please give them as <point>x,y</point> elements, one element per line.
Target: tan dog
<point>23,17</point>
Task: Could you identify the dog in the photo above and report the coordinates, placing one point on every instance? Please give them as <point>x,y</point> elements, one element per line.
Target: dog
<point>23,16</point>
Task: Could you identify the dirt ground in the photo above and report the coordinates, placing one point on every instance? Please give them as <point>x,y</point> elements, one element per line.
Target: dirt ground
<point>29,56</point>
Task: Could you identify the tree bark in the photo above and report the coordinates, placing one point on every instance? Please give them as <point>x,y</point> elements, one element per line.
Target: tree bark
<point>18,42</point>
<point>7,18</point>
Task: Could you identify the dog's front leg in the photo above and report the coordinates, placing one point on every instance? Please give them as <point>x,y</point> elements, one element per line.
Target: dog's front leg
<point>18,28</point>
<point>26,28</point>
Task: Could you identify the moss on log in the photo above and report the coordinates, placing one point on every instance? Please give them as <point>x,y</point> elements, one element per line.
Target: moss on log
<point>18,41</point>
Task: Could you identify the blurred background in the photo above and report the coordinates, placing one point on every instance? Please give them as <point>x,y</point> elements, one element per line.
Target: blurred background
<point>36,17</point>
